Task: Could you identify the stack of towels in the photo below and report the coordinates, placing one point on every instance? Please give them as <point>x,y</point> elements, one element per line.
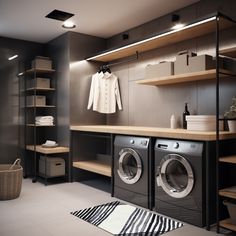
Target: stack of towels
<point>44,120</point>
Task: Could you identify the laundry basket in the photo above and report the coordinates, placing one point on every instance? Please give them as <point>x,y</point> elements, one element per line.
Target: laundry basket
<point>10,180</point>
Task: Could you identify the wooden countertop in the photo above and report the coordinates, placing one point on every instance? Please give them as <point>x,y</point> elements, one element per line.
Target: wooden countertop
<point>154,132</point>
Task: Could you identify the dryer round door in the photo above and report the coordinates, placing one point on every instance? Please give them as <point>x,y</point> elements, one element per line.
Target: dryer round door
<point>175,176</point>
<point>129,166</point>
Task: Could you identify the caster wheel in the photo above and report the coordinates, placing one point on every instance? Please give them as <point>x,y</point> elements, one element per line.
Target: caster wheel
<point>34,180</point>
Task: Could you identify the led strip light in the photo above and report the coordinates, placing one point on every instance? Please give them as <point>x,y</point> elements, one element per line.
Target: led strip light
<point>152,38</point>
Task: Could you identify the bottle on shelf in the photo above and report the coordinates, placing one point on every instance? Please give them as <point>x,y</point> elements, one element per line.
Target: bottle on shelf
<point>173,124</point>
<point>185,113</point>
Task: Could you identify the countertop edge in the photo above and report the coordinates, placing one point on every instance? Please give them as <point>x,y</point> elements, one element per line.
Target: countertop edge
<point>154,132</point>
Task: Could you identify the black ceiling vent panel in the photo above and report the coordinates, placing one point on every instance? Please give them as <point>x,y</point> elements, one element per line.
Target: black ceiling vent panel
<point>59,15</point>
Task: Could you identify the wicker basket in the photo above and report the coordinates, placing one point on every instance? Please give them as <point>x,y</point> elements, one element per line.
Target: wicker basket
<point>10,180</point>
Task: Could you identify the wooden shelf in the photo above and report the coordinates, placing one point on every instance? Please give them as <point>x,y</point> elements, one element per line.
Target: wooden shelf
<point>32,125</point>
<point>39,71</point>
<point>229,52</point>
<point>94,166</point>
<point>40,89</point>
<point>228,192</point>
<point>228,225</point>
<point>191,31</point>
<point>228,159</point>
<point>183,78</point>
<point>47,106</point>
<point>40,149</point>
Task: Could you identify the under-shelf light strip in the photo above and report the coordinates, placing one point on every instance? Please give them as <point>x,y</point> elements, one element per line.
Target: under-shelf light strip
<point>154,37</point>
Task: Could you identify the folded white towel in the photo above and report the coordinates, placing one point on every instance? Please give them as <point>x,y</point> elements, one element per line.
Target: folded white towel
<point>44,121</point>
<point>50,142</point>
<point>44,118</point>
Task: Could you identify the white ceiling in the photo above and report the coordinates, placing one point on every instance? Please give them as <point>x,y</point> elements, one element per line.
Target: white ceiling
<point>25,19</point>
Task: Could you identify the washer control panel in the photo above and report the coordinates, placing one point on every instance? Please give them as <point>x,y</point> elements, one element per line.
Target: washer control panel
<point>179,146</point>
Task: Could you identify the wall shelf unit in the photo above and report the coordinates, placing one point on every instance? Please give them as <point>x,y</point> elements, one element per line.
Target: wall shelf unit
<point>196,29</point>
<point>184,78</point>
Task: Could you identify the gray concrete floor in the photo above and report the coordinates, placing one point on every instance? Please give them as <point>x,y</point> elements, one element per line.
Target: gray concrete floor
<point>45,210</point>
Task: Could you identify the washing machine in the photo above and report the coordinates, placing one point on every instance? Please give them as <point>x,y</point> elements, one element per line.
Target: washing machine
<point>131,169</point>
<point>179,180</point>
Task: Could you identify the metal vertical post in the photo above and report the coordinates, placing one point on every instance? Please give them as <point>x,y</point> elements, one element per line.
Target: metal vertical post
<point>217,124</point>
<point>34,133</point>
<point>112,164</point>
<point>25,124</point>
<point>207,169</point>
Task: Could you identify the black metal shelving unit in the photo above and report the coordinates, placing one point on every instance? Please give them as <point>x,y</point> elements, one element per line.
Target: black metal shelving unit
<point>35,134</point>
<point>220,223</point>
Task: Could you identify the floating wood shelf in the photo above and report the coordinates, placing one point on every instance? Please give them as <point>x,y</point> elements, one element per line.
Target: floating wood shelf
<point>228,192</point>
<point>228,159</point>
<point>228,225</point>
<point>40,149</point>
<point>184,78</point>
<point>39,70</point>
<point>40,89</point>
<point>94,166</point>
<point>229,52</point>
<point>194,30</point>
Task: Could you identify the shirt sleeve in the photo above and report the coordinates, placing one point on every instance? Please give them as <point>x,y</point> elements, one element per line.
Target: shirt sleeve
<point>117,94</point>
<point>91,93</point>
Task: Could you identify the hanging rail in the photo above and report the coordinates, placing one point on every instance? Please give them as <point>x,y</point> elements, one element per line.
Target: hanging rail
<point>107,66</point>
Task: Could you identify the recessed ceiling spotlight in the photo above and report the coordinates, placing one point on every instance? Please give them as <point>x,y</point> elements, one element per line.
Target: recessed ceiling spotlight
<point>21,73</point>
<point>178,26</point>
<point>68,25</point>
<point>13,57</point>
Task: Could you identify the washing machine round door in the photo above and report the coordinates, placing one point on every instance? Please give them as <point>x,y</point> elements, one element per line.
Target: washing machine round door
<point>129,166</point>
<point>175,176</point>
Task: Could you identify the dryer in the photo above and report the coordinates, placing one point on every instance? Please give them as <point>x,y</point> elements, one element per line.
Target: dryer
<point>179,180</point>
<point>131,169</point>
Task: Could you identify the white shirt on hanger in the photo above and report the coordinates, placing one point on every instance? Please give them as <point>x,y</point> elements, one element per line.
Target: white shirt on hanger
<point>104,93</point>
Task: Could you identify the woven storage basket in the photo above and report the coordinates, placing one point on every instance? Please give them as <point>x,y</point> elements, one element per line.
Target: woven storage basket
<point>10,180</point>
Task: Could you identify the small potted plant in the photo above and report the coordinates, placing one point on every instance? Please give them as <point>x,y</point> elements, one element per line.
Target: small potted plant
<point>231,115</point>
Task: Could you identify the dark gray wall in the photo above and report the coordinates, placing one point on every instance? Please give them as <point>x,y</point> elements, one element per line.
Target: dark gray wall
<point>72,78</point>
<point>82,46</point>
<point>59,51</point>
<point>12,116</point>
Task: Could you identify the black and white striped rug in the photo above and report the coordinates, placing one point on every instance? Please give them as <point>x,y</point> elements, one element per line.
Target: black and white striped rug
<point>121,219</point>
